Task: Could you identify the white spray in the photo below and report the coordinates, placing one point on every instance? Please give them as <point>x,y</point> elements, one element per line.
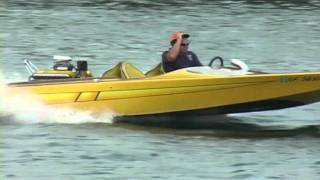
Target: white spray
<point>27,108</point>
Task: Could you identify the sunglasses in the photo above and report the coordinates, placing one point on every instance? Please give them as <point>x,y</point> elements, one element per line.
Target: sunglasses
<point>183,44</point>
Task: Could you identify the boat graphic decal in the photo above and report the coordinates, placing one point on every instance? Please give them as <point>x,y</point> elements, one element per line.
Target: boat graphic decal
<point>287,79</point>
<point>87,96</point>
<point>105,96</point>
<point>96,98</point>
<point>302,78</point>
<point>311,78</point>
<point>77,98</point>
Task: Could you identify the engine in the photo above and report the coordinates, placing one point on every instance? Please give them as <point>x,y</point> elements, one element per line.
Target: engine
<point>62,69</point>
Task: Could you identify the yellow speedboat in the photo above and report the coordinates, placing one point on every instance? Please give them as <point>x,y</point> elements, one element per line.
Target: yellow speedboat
<point>126,91</point>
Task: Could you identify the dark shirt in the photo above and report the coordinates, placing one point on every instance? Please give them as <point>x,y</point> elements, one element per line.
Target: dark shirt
<point>188,59</point>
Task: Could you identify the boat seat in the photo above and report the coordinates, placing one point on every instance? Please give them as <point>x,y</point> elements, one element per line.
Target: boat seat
<point>113,73</point>
<point>129,71</point>
<point>157,70</point>
<point>123,70</point>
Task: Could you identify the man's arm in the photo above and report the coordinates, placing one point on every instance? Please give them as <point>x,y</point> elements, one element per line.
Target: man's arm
<point>172,54</point>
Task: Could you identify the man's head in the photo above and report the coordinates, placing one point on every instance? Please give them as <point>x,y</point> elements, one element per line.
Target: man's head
<point>185,40</point>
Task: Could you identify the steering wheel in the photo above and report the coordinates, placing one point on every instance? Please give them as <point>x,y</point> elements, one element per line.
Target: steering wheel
<point>216,62</point>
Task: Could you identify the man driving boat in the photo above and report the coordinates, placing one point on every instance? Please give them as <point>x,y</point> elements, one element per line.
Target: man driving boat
<point>178,56</point>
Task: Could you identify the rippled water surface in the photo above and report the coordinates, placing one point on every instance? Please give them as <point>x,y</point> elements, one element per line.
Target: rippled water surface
<point>38,142</point>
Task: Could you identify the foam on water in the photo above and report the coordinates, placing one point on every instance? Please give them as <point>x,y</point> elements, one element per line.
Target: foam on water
<point>27,108</point>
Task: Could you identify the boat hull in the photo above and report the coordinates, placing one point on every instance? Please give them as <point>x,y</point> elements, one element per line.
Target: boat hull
<point>179,93</point>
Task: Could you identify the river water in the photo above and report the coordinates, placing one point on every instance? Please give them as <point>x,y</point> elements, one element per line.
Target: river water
<point>38,142</point>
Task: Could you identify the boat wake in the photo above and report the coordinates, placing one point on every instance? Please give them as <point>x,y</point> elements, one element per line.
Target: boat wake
<point>219,126</point>
<point>26,108</point>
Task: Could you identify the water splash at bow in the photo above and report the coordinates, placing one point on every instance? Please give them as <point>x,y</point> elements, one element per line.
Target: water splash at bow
<point>27,108</point>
